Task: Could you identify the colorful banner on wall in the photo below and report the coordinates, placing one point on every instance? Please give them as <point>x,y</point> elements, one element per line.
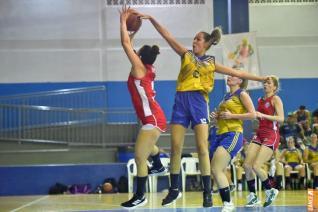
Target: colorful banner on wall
<point>240,51</point>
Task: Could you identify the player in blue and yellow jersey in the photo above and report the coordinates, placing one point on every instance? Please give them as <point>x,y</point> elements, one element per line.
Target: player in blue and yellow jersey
<point>311,157</point>
<point>195,81</point>
<point>235,107</point>
<point>292,159</point>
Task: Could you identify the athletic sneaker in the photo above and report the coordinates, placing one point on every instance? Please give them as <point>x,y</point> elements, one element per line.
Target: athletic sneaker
<point>228,207</point>
<point>271,195</point>
<point>207,200</point>
<point>134,202</point>
<point>153,171</point>
<point>252,200</point>
<point>172,196</point>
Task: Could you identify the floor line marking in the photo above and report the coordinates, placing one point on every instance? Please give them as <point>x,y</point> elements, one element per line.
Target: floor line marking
<point>30,203</point>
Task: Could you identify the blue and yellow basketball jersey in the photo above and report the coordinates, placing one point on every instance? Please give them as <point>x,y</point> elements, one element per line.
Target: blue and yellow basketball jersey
<point>292,156</point>
<point>232,103</point>
<point>196,74</point>
<point>312,154</point>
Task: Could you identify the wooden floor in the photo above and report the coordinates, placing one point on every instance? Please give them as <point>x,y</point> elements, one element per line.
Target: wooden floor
<point>290,201</point>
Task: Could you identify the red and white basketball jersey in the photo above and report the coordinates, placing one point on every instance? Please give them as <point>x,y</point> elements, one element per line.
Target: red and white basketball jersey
<point>143,98</point>
<point>265,106</point>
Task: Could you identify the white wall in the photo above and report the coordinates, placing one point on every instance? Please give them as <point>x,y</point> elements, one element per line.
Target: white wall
<point>287,38</point>
<point>78,40</point>
<point>183,21</point>
<point>51,40</point>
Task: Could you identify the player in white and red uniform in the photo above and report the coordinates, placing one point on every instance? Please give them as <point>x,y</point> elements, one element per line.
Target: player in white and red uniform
<point>141,88</point>
<point>143,98</point>
<point>269,112</point>
<point>268,131</point>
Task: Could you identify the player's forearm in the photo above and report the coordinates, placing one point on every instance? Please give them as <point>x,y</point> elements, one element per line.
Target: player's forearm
<point>124,36</point>
<point>162,30</point>
<point>245,116</point>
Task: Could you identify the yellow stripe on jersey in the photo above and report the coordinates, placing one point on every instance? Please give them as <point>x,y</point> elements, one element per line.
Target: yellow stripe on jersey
<point>234,142</point>
<point>196,74</point>
<point>235,106</point>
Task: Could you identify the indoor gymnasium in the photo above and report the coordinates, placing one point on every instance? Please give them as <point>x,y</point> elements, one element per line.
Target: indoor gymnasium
<point>158,105</point>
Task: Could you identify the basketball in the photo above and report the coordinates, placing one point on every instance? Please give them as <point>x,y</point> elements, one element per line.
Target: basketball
<point>107,187</point>
<point>133,22</point>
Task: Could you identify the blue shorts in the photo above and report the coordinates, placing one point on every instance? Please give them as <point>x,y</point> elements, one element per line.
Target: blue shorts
<point>293,164</point>
<point>231,141</point>
<point>190,107</point>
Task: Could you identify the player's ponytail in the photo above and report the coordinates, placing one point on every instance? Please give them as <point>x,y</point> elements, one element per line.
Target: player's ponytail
<point>215,36</point>
<point>155,50</point>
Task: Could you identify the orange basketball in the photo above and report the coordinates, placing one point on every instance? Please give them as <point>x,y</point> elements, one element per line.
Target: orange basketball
<point>133,22</point>
<point>107,187</point>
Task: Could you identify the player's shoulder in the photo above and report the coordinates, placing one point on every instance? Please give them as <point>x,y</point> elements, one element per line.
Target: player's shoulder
<point>276,99</point>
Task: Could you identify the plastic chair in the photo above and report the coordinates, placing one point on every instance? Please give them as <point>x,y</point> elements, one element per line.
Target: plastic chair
<point>132,172</point>
<point>233,170</point>
<point>308,172</point>
<point>154,179</point>
<point>189,166</point>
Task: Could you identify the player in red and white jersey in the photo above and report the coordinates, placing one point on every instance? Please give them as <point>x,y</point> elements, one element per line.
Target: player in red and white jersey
<point>141,88</point>
<point>143,97</point>
<point>270,111</point>
<point>265,106</point>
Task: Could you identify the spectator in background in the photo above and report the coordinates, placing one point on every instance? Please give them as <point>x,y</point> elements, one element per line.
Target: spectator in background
<point>292,159</point>
<point>315,113</point>
<point>303,119</point>
<point>311,157</point>
<point>290,128</point>
<point>315,121</point>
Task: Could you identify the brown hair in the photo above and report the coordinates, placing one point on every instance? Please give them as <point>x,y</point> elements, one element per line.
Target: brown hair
<point>244,83</point>
<point>275,80</point>
<point>213,38</point>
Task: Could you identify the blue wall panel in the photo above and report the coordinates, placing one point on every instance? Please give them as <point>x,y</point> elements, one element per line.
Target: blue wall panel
<point>18,88</point>
<point>294,92</point>
<point>220,11</point>
<point>239,16</point>
<point>36,180</point>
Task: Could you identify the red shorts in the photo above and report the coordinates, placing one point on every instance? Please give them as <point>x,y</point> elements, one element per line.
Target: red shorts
<point>267,137</point>
<point>157,119</point>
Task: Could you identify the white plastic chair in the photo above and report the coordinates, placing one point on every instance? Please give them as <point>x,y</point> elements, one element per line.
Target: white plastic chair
<point>132,172</point>
<point>189,166</point>
<point>154,179</point>
<point>308,172</point>
<point>233,170</point>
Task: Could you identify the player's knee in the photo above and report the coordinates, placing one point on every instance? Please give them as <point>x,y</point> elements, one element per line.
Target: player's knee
<point>202,149</point>
<point>140,160</point>
<point>248,166</point>
<point>256,167</point>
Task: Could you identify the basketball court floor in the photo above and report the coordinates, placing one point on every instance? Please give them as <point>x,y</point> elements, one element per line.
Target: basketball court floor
<point>289,201</point>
